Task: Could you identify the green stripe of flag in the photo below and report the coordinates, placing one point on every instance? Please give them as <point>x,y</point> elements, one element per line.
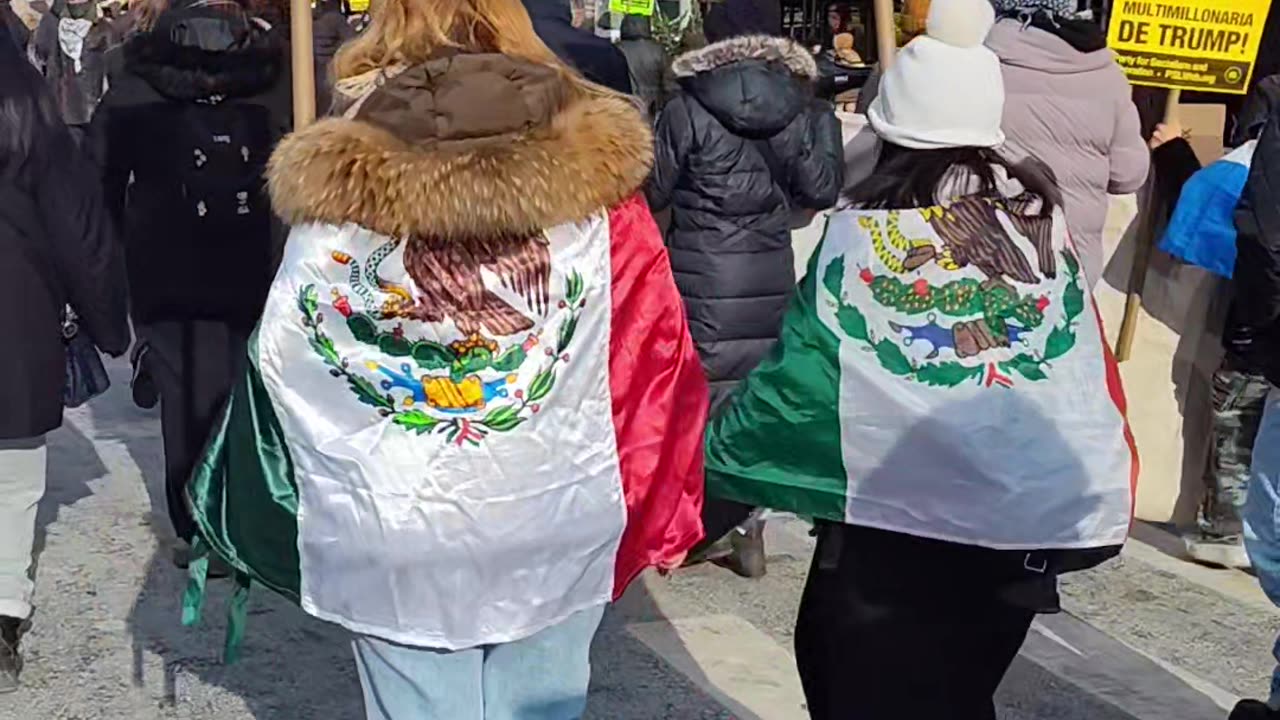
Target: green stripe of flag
<point>778,444</point>
<point>243,494</point>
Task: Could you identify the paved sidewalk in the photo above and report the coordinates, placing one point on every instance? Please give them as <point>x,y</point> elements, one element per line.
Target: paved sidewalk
<point>1144,638</point>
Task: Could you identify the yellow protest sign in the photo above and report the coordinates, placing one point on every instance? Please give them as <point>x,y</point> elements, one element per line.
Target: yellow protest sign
<point>358,6</point>
<point>631,7</point>
<point>1193,44</point>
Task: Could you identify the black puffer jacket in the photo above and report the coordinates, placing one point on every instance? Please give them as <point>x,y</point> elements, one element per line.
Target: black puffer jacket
<point>183,135</point>
<point>647,62</point>
<point>738,150</point>
<point>1253,323</point>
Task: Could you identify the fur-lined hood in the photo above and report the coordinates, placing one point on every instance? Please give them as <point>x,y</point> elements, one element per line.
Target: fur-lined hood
<point>466,146</point>
<point>196,53</point>
<point>798,61</point>
<point>755,85</point>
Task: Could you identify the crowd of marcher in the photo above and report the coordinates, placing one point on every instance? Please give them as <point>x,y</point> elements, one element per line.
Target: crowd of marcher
<point>430,368</point>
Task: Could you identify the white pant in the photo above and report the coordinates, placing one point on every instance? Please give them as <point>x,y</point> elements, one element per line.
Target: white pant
<point>22,482</point>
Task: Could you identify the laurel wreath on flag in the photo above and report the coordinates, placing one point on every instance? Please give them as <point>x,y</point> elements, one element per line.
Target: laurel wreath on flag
<point>525,403</point>
<point>949,373</point>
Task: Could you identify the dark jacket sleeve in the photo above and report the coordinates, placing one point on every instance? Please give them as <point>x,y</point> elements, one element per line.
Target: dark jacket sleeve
<point>673,140</point>
<point>44,42</point>
<point>89,261</point>
<point>815,172</point>
<point>1257,271</point>
<point>110,154</point>
<point>1174,163</point>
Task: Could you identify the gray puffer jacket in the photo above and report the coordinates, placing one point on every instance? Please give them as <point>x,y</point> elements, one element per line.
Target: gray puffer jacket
<point>742,145</point>
<point>1074,111</point>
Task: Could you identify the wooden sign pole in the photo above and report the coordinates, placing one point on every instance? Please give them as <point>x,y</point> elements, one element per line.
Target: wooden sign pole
<point>886,33</point>
<point>1145,241</point>
<point>304,69</point>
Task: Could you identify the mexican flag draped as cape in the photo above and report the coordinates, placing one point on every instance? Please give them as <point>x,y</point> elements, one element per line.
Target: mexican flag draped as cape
<point>447,486</point>
<point>941,373</point>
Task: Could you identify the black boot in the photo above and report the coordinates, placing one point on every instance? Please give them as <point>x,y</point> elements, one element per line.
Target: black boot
<point>10,658</point>
<point>1253,710</point>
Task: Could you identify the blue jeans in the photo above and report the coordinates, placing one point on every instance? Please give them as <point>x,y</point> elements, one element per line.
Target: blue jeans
<point>542,677</point>
<point>1262,514</point>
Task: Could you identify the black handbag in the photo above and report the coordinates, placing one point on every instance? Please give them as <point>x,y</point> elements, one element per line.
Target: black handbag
<point>86,375</point>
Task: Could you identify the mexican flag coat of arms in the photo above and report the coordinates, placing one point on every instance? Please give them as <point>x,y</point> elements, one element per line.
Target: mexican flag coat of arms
<point>472,407</point>
<point>941,373</point>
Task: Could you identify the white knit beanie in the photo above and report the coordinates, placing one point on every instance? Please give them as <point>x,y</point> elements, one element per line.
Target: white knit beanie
<point>944,89</point>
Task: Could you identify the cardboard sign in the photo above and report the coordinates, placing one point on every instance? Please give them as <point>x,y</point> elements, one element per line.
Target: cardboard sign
<point>631,7</point>
<point>1194,44</point>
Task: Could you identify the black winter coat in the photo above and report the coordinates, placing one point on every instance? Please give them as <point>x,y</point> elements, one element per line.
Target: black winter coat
<point>330,30</point>
<point>200,81</point>
<point>647,63</point>
<point>595,57</point>
<point>738,150</point>
<point>58,248</point>
<point>1253,323</point>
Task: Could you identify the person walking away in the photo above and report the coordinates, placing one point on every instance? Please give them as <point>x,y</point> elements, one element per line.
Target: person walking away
<point>839,21</point>
<point>472,377</point>
<point>1202,232</point>
<point>741,148</point>
<point>330,29</point>
<point>59,251</point>
<point>647,64</point>
<point>732,18</point>
<point>942,401</point>
<point>184,135</point>
<point>70,49</point>
<point>1257,268</point>
<point>598,59</point>
<point>1069,105</point>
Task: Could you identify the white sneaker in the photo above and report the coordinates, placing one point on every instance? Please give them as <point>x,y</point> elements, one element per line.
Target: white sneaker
<point>1221,550</point>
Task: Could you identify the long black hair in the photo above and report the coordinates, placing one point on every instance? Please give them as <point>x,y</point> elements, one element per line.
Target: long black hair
<point>27,111</point>
<point>906,178</point>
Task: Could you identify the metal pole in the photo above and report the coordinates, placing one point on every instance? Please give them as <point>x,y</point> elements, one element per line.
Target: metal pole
<point>304,69</point>
<point>1142,252</point>
<point>886,33</point>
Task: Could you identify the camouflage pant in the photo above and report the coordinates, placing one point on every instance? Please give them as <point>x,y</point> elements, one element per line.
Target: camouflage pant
<point>1238,400</point>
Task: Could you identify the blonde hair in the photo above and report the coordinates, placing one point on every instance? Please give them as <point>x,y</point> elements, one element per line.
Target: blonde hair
<point>407,32</point>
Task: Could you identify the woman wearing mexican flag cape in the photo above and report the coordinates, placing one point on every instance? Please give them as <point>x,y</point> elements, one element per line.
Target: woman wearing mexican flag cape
<point>472,412</point>
<point>941,400</point>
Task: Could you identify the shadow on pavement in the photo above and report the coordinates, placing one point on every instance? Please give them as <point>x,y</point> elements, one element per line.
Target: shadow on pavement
<point>118,419</point>
<point>71,455</point>
<point>632,682</point>
<point>291,665</point>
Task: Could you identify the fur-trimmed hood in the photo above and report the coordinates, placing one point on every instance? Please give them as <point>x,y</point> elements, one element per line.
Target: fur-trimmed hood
<point>465,146</point>
<point>195,53</point>
<point>790,54</point>
<point>755,85</point>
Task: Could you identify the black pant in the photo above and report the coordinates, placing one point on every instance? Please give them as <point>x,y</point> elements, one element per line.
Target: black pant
<point>194,365</point>
<point>895,628</point>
